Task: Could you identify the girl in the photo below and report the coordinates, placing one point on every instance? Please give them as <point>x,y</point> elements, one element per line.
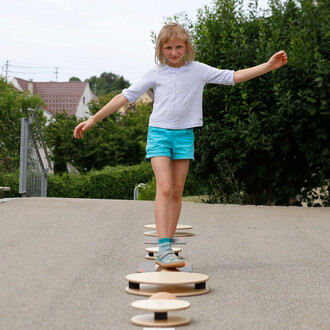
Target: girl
<point>178,83</point>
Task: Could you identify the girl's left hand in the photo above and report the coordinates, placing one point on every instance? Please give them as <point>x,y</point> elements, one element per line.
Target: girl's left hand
<point>277,60</point>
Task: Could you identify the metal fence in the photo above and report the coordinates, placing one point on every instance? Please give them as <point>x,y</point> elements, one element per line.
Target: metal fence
<point>33,171</point>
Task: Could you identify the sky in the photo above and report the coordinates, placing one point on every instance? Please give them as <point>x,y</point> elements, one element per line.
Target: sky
<point>54,40</point>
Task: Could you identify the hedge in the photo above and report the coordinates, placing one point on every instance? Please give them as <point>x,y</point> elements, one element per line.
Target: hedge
<point>9,180</point>
<point>193,187</point>
<point>109,183</point>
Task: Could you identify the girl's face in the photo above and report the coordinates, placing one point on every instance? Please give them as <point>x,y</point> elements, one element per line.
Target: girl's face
<point>174,51</point>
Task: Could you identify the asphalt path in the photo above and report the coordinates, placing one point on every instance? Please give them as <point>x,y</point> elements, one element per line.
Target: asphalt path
<point>63,264</point>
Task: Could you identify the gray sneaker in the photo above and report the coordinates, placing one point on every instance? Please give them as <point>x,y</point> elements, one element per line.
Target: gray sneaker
<point>168,259</point>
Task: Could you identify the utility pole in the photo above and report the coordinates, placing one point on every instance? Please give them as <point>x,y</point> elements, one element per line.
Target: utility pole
<point>7,65</point>
<point>56,73</point>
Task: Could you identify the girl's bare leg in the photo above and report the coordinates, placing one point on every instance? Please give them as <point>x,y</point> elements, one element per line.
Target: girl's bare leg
<point>170,180</point>
<point>179,170</point>
<point>162,170</point>
<point>168,206</point>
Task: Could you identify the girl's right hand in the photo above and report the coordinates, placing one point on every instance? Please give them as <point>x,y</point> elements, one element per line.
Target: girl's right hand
<point>82,127</point>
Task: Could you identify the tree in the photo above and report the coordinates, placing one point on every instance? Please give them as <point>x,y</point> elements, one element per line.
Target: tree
<point>116,140</point>
<point>59,139</point>
<point>266,140</point>
<point>13,106</point>
<point>74,79</point>
<point>107,83</point>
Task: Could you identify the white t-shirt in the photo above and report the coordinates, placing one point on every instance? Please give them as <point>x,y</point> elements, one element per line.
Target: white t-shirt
<point>178,93</point>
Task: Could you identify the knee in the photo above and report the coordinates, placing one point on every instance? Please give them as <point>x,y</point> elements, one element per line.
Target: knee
<point>164,189</point>
<point>177,193</point>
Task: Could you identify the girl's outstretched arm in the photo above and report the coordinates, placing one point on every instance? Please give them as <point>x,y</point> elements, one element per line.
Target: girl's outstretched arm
<point>276,61</point>
<point>115,104</point>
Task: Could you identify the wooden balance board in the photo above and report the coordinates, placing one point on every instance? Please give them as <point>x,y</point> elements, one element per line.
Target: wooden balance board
<point>178,227</point>
<point>146,267</point>
<point>153,233</point>
<point>153,250</point>
<point>177,283</point>
<point>154,240</point>
<point>160,318</point>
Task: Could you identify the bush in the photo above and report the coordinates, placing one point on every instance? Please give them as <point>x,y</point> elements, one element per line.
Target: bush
<point>193,187</point>
<point>10,180</point>
<point>109,183</point>
<point>148,192</point>
<point>266,140</point>
<point>116,140</point>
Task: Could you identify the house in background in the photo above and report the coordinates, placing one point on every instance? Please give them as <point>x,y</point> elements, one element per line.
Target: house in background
<point>73,97</point>
<point>147,97</point>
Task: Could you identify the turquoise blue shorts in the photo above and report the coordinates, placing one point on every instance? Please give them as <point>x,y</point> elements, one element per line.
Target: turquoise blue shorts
<point>173,143</point>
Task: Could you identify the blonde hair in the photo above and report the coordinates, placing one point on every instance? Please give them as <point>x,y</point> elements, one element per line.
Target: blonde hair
<point>177,31</point>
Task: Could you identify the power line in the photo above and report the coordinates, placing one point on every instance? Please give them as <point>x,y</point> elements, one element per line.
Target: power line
<point>29,67</point>
<point>7,64</point>
<point>30,70</point>
<point>56,73</point>
<point>25,72</point>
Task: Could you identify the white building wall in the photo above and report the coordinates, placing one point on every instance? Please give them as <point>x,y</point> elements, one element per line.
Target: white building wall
<point>48,115</point>
<point>16,84</point>
<point>83,110</point>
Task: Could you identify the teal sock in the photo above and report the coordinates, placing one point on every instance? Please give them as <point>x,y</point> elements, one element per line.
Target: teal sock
<point>164,240</point>
<point>163,244</point>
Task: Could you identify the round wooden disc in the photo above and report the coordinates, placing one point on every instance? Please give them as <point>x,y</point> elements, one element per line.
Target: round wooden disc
<point>176,283</point>
<point>178,290</point>
<point>155,249</point>
<point>160,305</point>
<point>176,234</point>
<point>148,320</point>
<point>169,278</point>
<point>178,227</point>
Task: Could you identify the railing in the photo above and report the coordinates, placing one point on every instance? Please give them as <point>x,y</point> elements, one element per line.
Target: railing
<point>136,190</point>
<point>33,172</point>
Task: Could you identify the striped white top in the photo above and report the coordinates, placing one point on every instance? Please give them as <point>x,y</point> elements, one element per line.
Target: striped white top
<point>178,93</point>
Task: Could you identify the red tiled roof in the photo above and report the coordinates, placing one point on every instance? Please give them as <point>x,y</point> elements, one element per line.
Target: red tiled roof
<point>23,84</point>
<point>58,95</point>
<point>151,94</point>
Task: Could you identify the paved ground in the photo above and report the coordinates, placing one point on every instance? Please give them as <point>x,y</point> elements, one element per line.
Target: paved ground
<point>63,264</point>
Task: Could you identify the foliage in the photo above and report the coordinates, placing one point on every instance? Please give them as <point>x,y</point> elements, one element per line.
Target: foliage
<point>116,140</point>
<point>74,79</point>
<point>60,141</point>
<point>266,140</point>
<point>180,18</point>
<point>148,192</point>
<point>9,179</point>
<point>107,83</point>
<point>193,187</point>
<point>109,183</point>
<point>13,106</point>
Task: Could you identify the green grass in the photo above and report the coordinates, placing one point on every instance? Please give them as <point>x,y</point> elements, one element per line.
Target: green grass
<point>194,199</point>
